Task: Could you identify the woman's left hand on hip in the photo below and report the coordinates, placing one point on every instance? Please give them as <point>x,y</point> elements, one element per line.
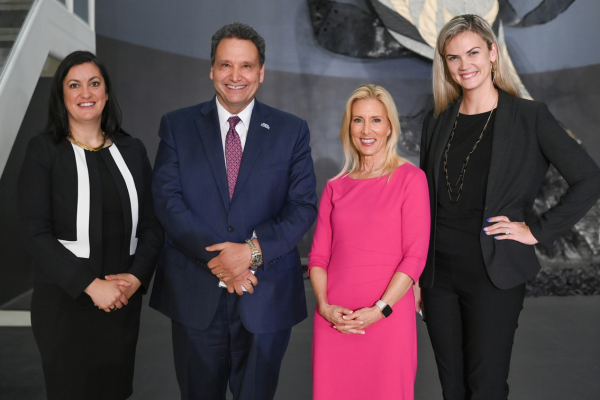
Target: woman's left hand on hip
<point>502,229</point>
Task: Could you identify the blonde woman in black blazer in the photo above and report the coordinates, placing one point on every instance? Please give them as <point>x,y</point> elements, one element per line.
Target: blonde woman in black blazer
<point>85,199</point>
<point>485,152</point>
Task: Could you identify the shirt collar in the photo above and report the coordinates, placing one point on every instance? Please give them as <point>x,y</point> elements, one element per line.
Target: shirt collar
<point>244,115</point>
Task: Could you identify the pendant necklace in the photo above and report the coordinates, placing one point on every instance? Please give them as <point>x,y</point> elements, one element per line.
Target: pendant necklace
<point>461,176</point>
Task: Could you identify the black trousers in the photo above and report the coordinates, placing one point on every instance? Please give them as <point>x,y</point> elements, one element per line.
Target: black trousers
<point>471,324</point>
<point>224,352</point>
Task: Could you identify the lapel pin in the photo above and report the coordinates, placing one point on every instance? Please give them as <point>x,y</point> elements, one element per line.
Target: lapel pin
<point>265,125</point>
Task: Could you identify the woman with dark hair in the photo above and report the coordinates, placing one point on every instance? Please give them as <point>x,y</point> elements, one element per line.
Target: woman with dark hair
<point>485,152</point>
<point>85,200</point>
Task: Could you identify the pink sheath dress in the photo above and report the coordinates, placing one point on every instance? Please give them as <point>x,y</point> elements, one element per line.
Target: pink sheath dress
<point>366,231</point>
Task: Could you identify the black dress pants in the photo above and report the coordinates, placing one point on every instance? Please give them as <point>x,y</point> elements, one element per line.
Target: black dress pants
<point>206,360</point>
<point>471,324</point>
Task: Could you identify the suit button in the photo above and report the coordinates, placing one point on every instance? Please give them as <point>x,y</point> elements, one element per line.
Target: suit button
<point>195,260</point>
<point>554,244</point>
<point>230,229</point>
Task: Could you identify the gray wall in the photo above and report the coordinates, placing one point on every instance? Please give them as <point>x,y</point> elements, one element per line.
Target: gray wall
<point>569,41</point>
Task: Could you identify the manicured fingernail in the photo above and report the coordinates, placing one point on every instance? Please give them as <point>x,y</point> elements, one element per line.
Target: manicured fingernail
<point>360,322</point>
<point>488,220</point>
<point>344,317</point>
<point>495,237</point>
<point>362,333</point>
<point>351,312</point>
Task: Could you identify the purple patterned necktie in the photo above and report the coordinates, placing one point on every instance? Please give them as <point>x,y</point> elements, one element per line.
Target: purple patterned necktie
<point>233,154</point>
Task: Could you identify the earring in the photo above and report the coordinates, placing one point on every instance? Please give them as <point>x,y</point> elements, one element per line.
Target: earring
<point>494,67</point>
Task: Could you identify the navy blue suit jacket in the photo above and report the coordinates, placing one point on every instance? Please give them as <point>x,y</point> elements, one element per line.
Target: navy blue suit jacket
<point>274,196</point>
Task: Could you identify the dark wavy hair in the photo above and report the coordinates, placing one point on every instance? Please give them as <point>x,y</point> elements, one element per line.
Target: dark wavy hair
<point>58,118</point>
<point>240,31</point>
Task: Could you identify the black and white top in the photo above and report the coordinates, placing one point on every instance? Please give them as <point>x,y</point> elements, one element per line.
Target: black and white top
<point>60,196</point>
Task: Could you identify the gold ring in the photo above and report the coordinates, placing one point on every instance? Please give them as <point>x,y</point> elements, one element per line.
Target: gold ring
<point>220,275</point>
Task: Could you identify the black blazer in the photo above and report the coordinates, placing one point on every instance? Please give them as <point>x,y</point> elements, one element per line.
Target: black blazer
<point>527,139</point>
<point>48,199</point>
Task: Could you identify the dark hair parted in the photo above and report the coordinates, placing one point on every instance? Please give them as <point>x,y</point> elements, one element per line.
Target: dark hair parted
<point>58,118</point>
<point>237,30</point>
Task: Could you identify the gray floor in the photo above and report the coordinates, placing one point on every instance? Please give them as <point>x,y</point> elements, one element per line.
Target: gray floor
<point>556,356</point>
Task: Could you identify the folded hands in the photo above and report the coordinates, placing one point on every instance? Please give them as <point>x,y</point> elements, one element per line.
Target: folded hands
<point>232,266</point>
<point>113,292</point>
<point>348,321</point>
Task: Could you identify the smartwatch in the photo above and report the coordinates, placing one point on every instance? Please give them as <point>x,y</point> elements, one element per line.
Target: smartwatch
<point>386,310</point>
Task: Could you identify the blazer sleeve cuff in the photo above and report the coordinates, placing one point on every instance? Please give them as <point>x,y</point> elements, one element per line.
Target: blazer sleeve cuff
<point>538,234</point>
<point>271,247</point>
<point>76,286</point>
<point>142,273</point>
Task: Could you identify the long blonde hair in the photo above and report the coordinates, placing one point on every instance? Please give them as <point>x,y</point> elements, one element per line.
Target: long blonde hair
<point>352,156</point>
<point>445,90</point>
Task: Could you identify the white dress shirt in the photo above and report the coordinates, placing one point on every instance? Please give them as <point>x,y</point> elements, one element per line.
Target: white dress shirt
<point>241,128</point>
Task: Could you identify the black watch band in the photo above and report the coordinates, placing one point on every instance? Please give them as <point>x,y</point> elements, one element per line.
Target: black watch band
<point>386,310</point>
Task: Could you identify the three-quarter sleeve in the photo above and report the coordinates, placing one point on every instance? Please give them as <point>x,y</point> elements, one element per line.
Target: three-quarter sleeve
<point>320,252</point>
<point>415,226</point>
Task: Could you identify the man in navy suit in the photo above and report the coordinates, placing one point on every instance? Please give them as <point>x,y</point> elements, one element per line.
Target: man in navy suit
<point>234,188</point>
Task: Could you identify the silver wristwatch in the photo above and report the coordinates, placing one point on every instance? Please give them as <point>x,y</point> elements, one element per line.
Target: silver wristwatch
<point>257,259</point>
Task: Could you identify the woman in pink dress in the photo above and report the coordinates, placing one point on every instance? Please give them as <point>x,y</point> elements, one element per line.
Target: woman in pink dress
<point>370,245</point>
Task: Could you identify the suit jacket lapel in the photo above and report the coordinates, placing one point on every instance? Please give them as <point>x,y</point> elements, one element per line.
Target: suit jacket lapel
<point>210,134</point>
<point>444,129</point>
<point>500,143</point>
<point>254,142</point>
